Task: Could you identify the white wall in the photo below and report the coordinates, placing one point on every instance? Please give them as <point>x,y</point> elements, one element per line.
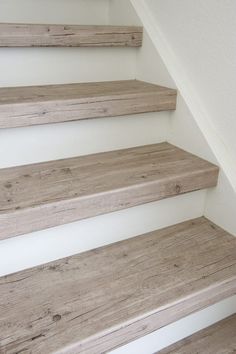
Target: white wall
<point>202,35</point>
<point>196,43</point>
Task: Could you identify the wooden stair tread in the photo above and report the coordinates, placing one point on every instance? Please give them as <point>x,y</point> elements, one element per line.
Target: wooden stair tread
<point>217,339</point>
<point>101,299</point>
<point>59,35</point>
<point>24,106</point>
<point>42,195</point>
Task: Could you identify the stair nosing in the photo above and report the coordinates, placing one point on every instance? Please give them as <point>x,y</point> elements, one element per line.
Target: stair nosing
<point>45,104</point>
<point>78,35</point>
<point>79,187</point>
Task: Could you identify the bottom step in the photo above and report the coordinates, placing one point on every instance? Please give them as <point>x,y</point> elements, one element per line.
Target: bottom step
<point>217,339</point>
<point>101,299</point>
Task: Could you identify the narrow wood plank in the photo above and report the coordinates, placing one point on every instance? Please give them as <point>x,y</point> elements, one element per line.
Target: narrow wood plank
<point>24,106</point>
<point>46,35</point>
<point>93,302</point>
<point>217,339</point>
<point>38,196</point>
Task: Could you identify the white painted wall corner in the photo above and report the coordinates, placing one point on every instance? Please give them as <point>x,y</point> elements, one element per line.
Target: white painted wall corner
<point>224,157</point>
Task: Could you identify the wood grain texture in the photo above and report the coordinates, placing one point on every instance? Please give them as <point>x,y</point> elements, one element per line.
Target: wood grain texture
<point>45,35</point>
<point>217,339</point>
<point>38,196</point>
<point>98,300</point>
<point>24,106</point>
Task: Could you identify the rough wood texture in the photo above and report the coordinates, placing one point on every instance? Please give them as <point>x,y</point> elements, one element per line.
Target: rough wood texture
<point>34,197</point>
<point>34,35</point>
<point>23,106</point>
<point>217,339</point>
<point>93,302</point>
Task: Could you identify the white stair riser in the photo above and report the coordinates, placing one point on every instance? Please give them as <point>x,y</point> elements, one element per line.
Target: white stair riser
<point>56,141</point>
<point>180,329</point>
<point>42,66</point>
<point>55,11</point>
<point>41,247</point>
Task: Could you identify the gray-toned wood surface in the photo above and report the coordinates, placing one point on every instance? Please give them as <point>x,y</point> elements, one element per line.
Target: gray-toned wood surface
<point>23,106</point>
<point>217,339</point>
<point>98,300</point>
<point>46,35</point>
<point>38,196</point>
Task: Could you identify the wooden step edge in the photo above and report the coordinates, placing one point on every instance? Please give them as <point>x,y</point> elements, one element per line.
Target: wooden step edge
<point>27,106</point>
<point>217,339</point>
<point>44,195</point>
<point>101,299</point>
<point>47,35</point>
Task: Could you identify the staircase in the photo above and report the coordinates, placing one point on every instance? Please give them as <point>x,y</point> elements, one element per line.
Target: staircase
<point>96,301</point>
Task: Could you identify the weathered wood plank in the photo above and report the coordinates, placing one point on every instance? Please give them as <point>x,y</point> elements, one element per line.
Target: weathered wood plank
<point>24,106</point>
<point>93,302</point>
<point>46,35</point>
<point>217,339</point>
<point>38,196</point>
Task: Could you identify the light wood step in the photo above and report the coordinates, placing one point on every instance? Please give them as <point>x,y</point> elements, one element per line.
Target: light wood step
<point>47,35</point>
<point>93,302</point>
<point>24,106</point>
<point>38,196</point>
<point>217,339</point>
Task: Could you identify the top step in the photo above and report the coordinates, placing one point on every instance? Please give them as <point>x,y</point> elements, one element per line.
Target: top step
<point>36,35</point>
